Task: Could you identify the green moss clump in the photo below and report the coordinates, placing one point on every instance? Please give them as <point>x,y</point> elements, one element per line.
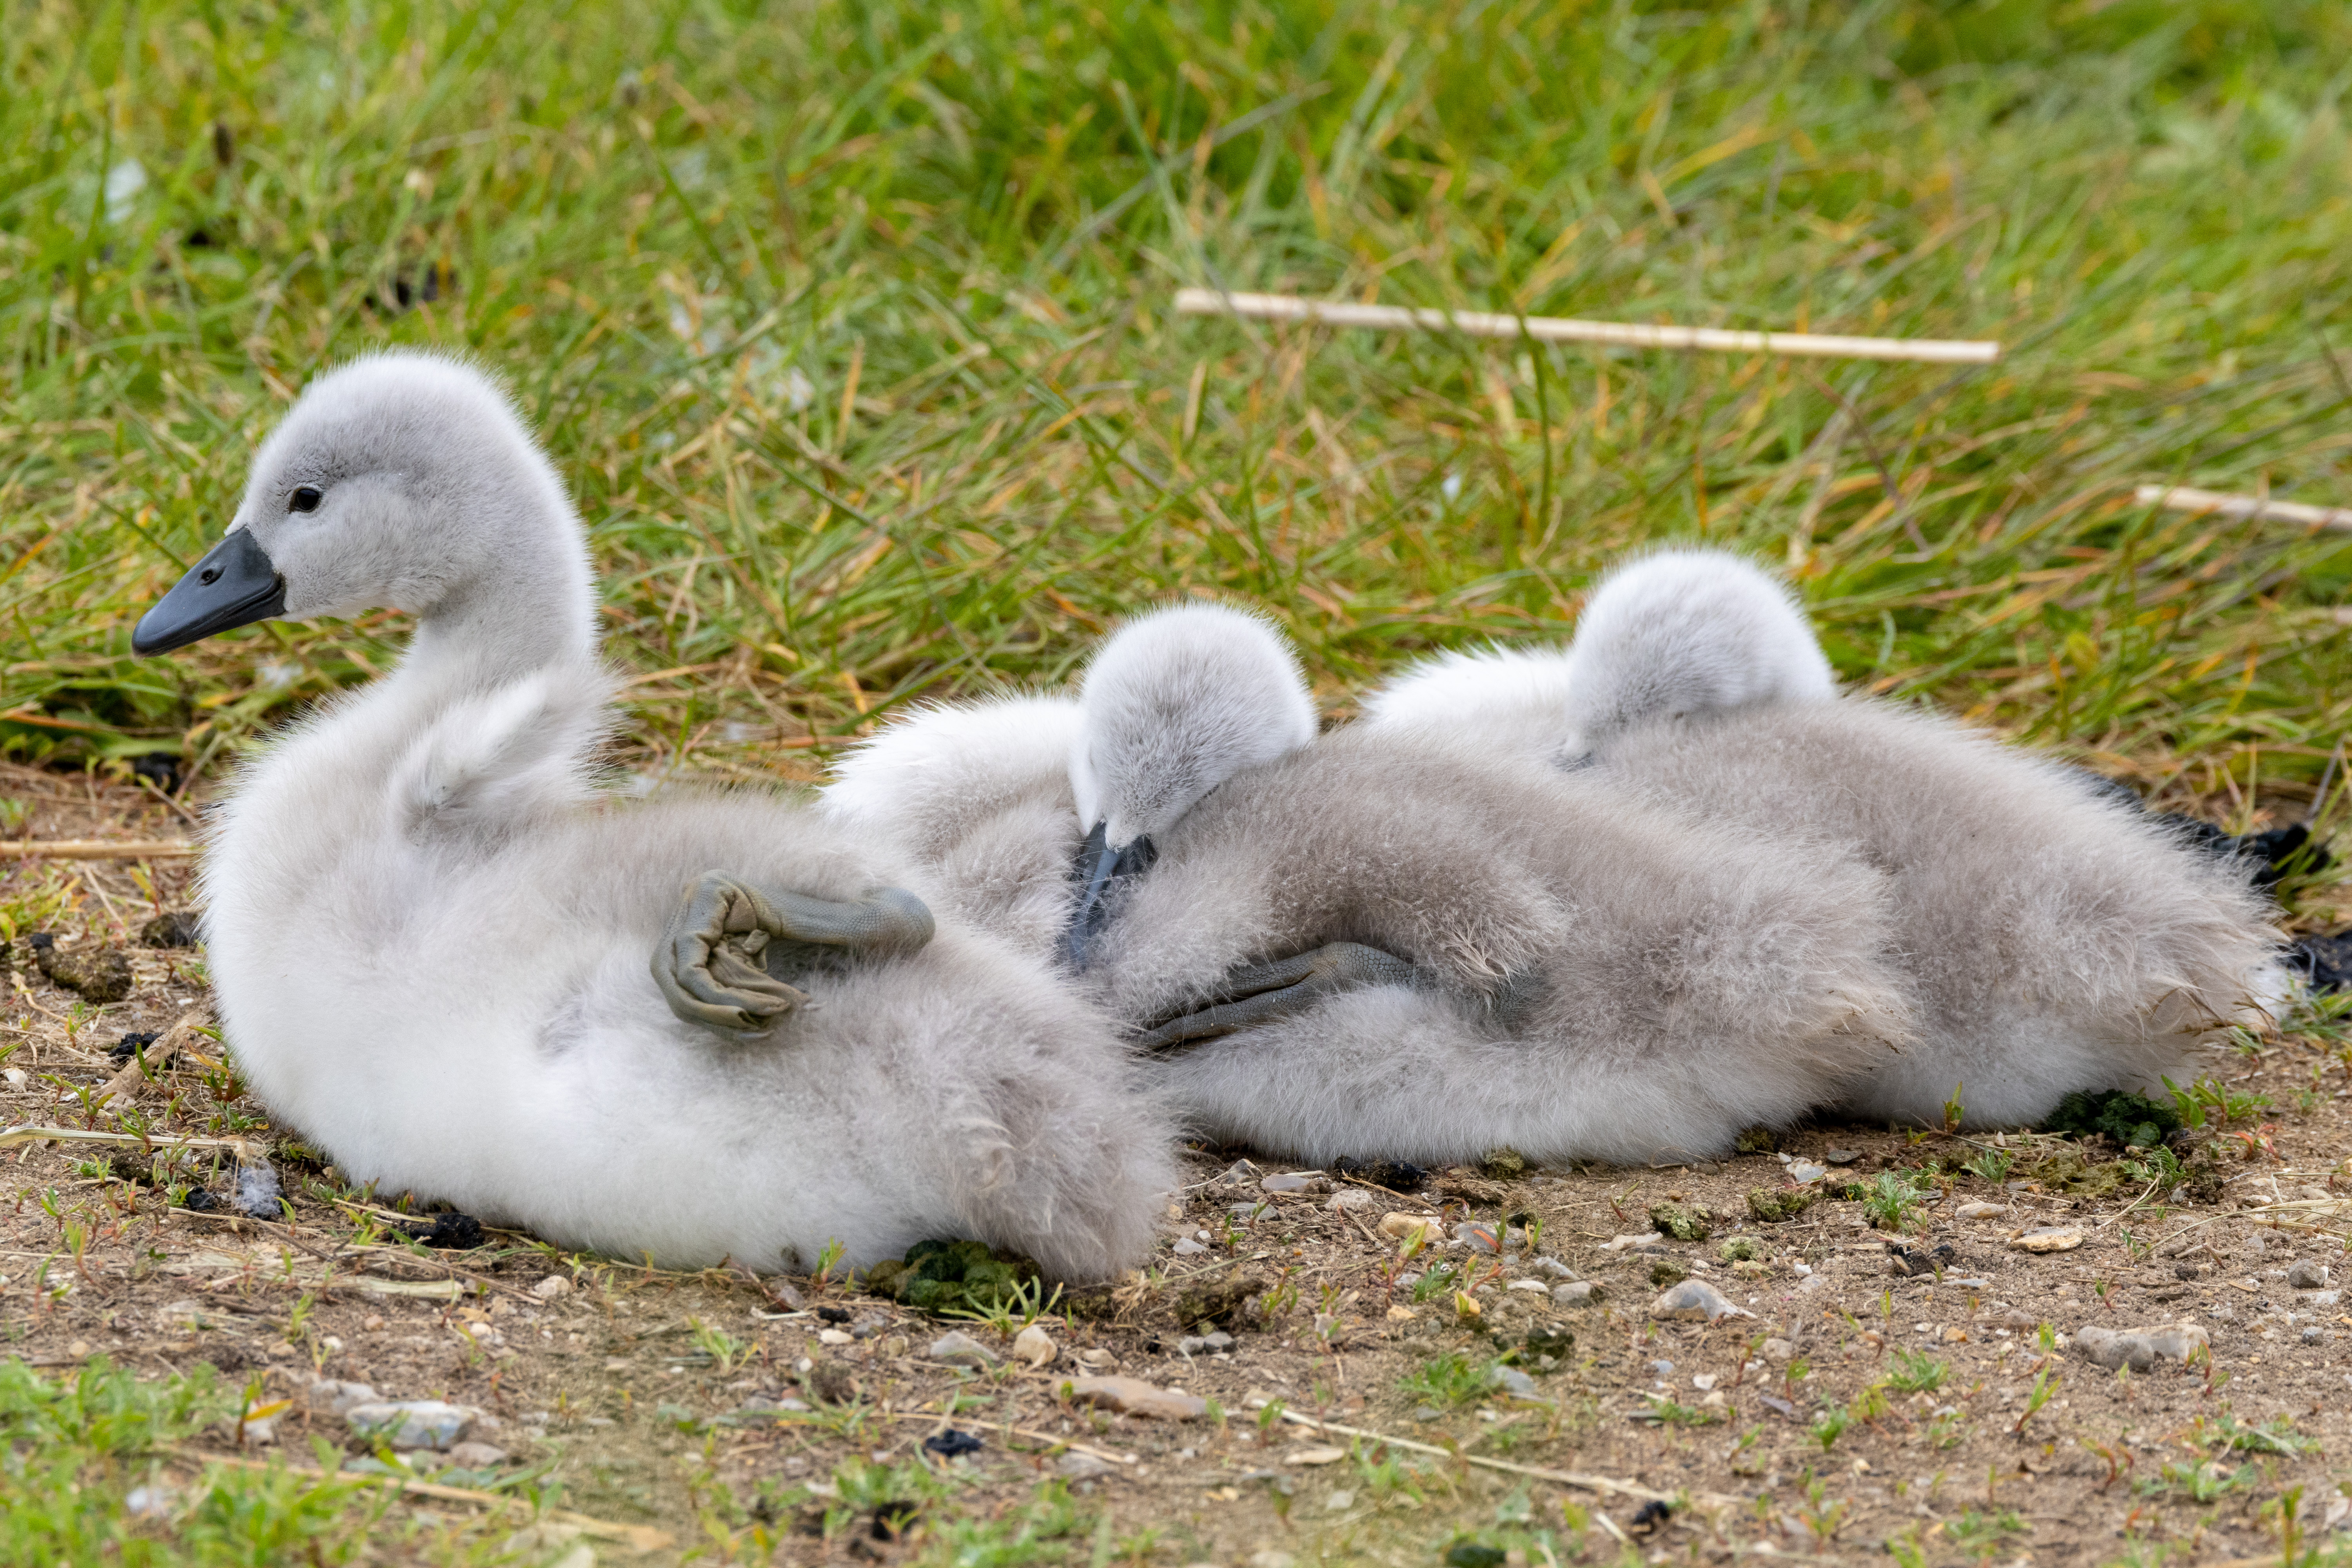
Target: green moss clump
<point>1770,1205</point>
<point>1742,1250</point>
<point>2070,1171</point>
<point>2126,1117</point>
<point>1664,1273</point>
<point>1503,1164</point>
<point>939,1277</point>
<point>1756,1139</point>
<point>1680,1220</point>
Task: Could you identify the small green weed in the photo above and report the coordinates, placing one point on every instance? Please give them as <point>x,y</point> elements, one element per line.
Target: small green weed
<point>1891,1200</point>
<point>1915,1371</point>
<point>1449,1381</point>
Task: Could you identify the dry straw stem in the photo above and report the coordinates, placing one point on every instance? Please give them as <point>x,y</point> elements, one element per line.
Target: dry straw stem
<point>95,849</point>
<point>1561,330</point>
<point>637,1537</point>
<point>2215,503</point>
<point>1562,1478</point>
<point>9,1137</point>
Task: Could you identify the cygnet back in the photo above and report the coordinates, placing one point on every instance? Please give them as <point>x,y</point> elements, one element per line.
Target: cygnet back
<point>1685,632</point>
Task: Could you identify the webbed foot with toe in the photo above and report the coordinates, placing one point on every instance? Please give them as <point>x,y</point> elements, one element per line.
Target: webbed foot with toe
<point>1261,993</point>
<point>729,955</point>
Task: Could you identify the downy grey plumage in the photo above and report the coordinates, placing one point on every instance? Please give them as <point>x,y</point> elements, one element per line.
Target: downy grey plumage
<point>430,941</point>
<point>2049,941</point>
<point>1592,979</point>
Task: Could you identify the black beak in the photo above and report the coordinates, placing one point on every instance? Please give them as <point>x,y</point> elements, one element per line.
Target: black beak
<point>233,585</point>
<point>1099,863</point>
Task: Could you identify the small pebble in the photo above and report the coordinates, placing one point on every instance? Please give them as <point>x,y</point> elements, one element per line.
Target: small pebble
<point>476,1456</point>
<point>1695,1300</point>
<point>1133,1396</point>
<point>1778,1350</point>
<point>1576,1293</point>
<point>1077,1467</point>
<point>1842,1156</point>
<point>414,1423</point>
<point>957,1349</point>
<point>2315,1335</point>
<point>555,1287</point>
<point>1553,1266</point>
<point>1033,1345</point>
<point>2304,1274</point>
<point>1295,1182</point>
<point>1187,1247</point>
<point>1350,1198</point>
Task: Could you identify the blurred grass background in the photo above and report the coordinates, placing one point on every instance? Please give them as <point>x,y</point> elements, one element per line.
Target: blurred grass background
<point>851,327</point>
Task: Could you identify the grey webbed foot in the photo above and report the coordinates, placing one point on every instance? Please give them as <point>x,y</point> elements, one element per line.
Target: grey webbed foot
<point>1261,993</point>
<point>728,956</point>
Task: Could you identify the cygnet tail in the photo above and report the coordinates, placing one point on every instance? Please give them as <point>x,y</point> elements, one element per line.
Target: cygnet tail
<point>1067,1164</point>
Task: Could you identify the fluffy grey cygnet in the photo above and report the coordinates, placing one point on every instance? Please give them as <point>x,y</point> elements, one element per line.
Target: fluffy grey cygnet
<point>430,939</point>
<point>1173,704</point>
<point>2049,941</point>
<point>1668,635</point>
<point>1375,946</point>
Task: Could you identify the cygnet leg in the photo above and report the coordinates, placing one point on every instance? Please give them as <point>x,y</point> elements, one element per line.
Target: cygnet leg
<point>704,966</point>
<point>1261,993</point>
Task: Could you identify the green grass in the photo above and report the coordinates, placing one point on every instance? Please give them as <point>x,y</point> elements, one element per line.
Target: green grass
<point>78,1451</point>
<point>850,327</point>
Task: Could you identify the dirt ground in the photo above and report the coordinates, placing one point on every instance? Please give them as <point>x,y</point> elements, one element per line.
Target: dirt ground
<point>1853,1409</point>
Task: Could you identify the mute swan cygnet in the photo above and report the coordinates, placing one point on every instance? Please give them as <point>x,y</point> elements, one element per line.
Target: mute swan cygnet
<point>1377,947</point>
<point>2050,939</point>
<point>430,942</point>
<point>1668,634</point>
<point>1175,703</point>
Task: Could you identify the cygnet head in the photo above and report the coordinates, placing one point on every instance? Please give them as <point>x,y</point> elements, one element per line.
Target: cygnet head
<point>1175,703</point>
<point>403,481</point>
<point>1685,632</point>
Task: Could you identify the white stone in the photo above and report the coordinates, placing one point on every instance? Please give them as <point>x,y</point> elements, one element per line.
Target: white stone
<point>1695,1300</point>
<point>957,1349</point>
<point>414,1423</point>
<point>555,1287</point>
<point>1033,1345</point>
<point>2139,1349</point>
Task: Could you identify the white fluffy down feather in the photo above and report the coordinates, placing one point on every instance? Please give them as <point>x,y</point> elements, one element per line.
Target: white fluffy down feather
<point>430,941</point>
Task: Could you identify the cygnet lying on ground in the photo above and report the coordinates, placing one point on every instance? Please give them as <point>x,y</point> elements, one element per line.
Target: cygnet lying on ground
<point>1379,948</point>
<point>1672,632</point>
<point>430,947</point>
<point>1179,701</point>
<point>2050,940</point>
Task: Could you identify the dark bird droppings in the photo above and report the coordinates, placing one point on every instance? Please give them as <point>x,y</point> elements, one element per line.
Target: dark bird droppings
<point>160,769</point>
<point>951,1444</point>
<point>1651,1516</point>
<point>1470,1554</point>
<point>834,1314</point>
<point>122,1050</point>
<point>172,928</point>
<point>1396,1175</point>
<point>200,1201</point>
<point>450,1232</point>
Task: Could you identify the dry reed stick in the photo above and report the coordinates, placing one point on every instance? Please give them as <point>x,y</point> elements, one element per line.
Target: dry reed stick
<point>2180,497</point>
<point>1560,330</point>
<point>95,849</point>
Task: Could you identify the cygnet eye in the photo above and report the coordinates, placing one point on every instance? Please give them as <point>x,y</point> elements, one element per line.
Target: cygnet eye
<point>306,497</point>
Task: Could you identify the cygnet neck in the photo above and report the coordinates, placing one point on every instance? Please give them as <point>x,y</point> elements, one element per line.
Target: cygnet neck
<point>537,611</point>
